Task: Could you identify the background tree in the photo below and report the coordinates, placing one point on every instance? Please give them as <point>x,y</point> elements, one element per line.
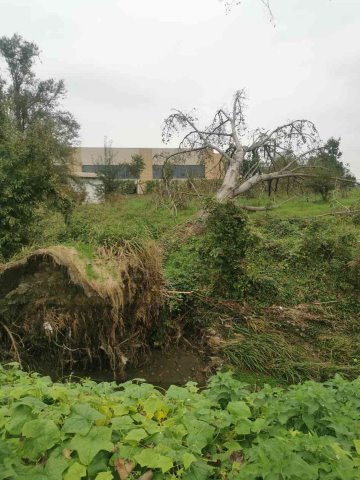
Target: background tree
<point>136,166</point>
<point>36,140</point>
<point>108,171</point>
<point>329,170</point>
<point>31,99</point>
<point>250,157</point>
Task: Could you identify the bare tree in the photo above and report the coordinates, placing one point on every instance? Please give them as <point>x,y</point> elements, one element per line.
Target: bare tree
<point>229,4</point>
<point>249,157</point>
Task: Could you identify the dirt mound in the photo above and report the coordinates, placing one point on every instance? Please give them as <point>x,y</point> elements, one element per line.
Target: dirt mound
<point>60,306</point>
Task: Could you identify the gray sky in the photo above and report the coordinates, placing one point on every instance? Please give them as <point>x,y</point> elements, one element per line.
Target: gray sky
<point>126,63</point>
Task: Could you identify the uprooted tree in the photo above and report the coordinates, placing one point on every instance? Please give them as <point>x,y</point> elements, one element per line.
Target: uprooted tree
<point>60,309</point>
<point>249,158</point>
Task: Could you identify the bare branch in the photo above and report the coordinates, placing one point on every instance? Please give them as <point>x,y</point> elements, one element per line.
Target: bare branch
<point>271,154</point>
<point>263,177</point>
<point>251,208</point>
<point>229,4</point>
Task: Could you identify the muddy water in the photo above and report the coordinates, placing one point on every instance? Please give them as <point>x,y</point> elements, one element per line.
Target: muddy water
<point>175,367</point>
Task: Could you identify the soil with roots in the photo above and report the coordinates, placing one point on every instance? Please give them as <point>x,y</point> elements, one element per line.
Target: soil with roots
<point>60,308</point>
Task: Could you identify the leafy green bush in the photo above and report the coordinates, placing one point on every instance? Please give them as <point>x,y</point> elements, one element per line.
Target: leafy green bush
<point>284,227</point>
<point>324,240</point>
<point>126,187</point>
<point>150,186</point>
<point>214,260</point>
<point>76,430</point>
<point>224,247</point>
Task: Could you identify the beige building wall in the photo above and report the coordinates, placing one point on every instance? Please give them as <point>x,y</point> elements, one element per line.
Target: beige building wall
<point>213,167</point>
<point>93,155</point>
<point>152,156</point>
<point>147,173</point>
<point>76,161</point>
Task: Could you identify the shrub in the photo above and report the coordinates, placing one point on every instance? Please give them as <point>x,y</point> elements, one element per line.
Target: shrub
<point>223,249</point>
<point>126,187</point>
<point>150,186</point>
<point>326,241</point>
<point>214,260</point>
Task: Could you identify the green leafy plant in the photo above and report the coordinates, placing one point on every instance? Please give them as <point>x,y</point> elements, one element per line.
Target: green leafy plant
<point>88,430</point>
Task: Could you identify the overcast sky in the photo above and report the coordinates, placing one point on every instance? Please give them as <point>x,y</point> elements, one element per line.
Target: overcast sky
<point>126,63</point>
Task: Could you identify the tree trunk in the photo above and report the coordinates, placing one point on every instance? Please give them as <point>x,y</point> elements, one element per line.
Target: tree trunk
<point>231,178</point>
<point>276,185</point>
<point>269,187</point>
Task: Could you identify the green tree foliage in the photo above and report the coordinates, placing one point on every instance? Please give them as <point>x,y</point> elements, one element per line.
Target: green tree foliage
<point>223,249</point>
<point>109,172</point>
<point>215,260</point>
<point>36,137</point>
<point>329,171</point>
<point>136,166</point>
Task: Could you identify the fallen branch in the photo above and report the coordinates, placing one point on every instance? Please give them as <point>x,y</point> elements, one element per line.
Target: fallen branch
<point>251,208</point>
<point>346,212</point>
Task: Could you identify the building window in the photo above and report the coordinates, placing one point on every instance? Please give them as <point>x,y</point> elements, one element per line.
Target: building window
<point>180,171</point>
<point>122,172</point>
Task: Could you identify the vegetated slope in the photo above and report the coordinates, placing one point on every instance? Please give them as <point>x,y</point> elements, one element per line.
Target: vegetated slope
<point>107,431</point>
<point>275,296</point>
<point>127,218</point>
<point>273,292</point>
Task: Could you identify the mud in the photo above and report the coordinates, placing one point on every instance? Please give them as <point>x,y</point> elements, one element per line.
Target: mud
<point>177,367</point>
<point>174,367</point>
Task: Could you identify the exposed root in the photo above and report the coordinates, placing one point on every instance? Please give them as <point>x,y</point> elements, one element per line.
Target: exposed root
<point>73,310</point>
<point>13,343</point>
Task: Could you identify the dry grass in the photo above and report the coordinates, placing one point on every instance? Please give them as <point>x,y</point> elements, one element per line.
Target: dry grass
<point>288,343</point>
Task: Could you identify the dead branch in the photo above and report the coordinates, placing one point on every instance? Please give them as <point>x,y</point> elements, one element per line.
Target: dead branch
<point>266,207</point>
<point>227,134</point>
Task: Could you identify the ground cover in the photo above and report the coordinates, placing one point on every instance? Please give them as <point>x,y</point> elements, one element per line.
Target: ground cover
<point>285,306</point>
<point>282,294</point>
<point>134,431</point>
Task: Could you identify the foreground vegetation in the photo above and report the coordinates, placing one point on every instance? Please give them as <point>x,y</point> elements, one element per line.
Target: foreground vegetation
<point>106,431</point>
<point>274,293</point>
<point>277,296</point>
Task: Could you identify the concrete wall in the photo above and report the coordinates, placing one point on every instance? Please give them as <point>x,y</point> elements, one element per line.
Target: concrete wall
<point>89,185</point>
